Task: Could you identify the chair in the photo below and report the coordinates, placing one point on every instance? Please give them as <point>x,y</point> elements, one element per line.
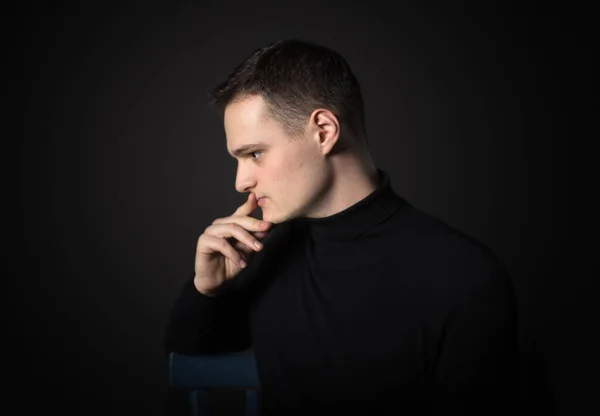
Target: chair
<point>199,373</point>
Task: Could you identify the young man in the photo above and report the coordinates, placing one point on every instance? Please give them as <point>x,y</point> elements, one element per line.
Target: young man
<point>356,302</point>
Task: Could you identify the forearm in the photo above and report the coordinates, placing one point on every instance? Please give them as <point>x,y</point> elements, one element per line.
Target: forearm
<point>200,324</point>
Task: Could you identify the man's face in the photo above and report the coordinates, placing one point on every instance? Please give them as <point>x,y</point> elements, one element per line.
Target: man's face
<point>290,175</point>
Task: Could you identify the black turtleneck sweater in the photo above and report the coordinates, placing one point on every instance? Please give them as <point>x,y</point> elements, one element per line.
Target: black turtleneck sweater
<point>379,309</point>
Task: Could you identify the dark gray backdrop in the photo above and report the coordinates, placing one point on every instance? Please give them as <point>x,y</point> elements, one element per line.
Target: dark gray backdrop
<point>123,164</point>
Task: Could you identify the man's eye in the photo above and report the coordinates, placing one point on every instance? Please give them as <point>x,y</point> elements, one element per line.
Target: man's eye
<point>254,153</point>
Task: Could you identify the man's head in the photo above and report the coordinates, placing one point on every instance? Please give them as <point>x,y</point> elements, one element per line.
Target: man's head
<point>301,104</point>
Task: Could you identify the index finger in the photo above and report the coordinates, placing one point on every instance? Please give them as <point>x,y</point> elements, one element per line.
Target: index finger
<point>248,207</point>
<point>246,222</point>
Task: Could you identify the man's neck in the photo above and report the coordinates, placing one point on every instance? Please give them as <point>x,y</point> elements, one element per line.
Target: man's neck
<point>352,181</point>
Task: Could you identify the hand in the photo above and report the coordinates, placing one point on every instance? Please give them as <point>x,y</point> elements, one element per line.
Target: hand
<point>226,246</point>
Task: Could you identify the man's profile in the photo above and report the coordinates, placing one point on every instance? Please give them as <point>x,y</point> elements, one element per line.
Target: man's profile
<point>356,302</point>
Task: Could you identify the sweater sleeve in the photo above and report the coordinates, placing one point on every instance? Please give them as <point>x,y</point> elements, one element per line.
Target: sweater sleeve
<point>200,324</point>
<point>477,363</point>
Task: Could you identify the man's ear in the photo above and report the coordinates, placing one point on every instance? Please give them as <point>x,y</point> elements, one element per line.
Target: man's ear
<point>324,128</point>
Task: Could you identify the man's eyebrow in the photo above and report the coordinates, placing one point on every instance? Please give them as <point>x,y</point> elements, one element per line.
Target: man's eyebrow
<point>246,149</point>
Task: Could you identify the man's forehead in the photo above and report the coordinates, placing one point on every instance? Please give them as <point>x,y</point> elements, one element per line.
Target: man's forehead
<point>246,112</point>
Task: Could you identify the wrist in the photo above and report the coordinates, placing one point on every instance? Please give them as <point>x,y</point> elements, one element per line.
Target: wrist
<point>203,290</point>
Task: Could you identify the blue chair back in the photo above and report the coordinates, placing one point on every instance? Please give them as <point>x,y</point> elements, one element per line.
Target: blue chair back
<point>200,373</point>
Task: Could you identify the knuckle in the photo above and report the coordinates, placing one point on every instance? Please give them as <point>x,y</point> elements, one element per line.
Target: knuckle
<point>237,227</point>
<point>223,244</point>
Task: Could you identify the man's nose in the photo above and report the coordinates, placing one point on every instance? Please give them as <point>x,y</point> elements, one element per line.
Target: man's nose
<point>244,180</point>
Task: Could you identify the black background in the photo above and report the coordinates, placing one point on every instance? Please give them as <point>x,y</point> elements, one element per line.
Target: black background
<point>122,164</point>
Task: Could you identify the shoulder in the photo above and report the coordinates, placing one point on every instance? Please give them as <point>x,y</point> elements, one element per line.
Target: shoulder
<point>443,257</point>
<point>453,274</point>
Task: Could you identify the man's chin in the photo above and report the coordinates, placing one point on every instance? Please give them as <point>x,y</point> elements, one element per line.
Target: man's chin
<point>275,219</point>
<point>271,218</point>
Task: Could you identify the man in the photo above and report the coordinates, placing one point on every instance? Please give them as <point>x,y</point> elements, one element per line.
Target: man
<point>356,302</point>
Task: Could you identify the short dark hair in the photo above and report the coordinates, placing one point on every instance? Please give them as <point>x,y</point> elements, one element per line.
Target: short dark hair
<point>295,77</point>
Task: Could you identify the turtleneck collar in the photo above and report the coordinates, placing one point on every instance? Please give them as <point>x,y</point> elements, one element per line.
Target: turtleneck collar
<point>359,217</point>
